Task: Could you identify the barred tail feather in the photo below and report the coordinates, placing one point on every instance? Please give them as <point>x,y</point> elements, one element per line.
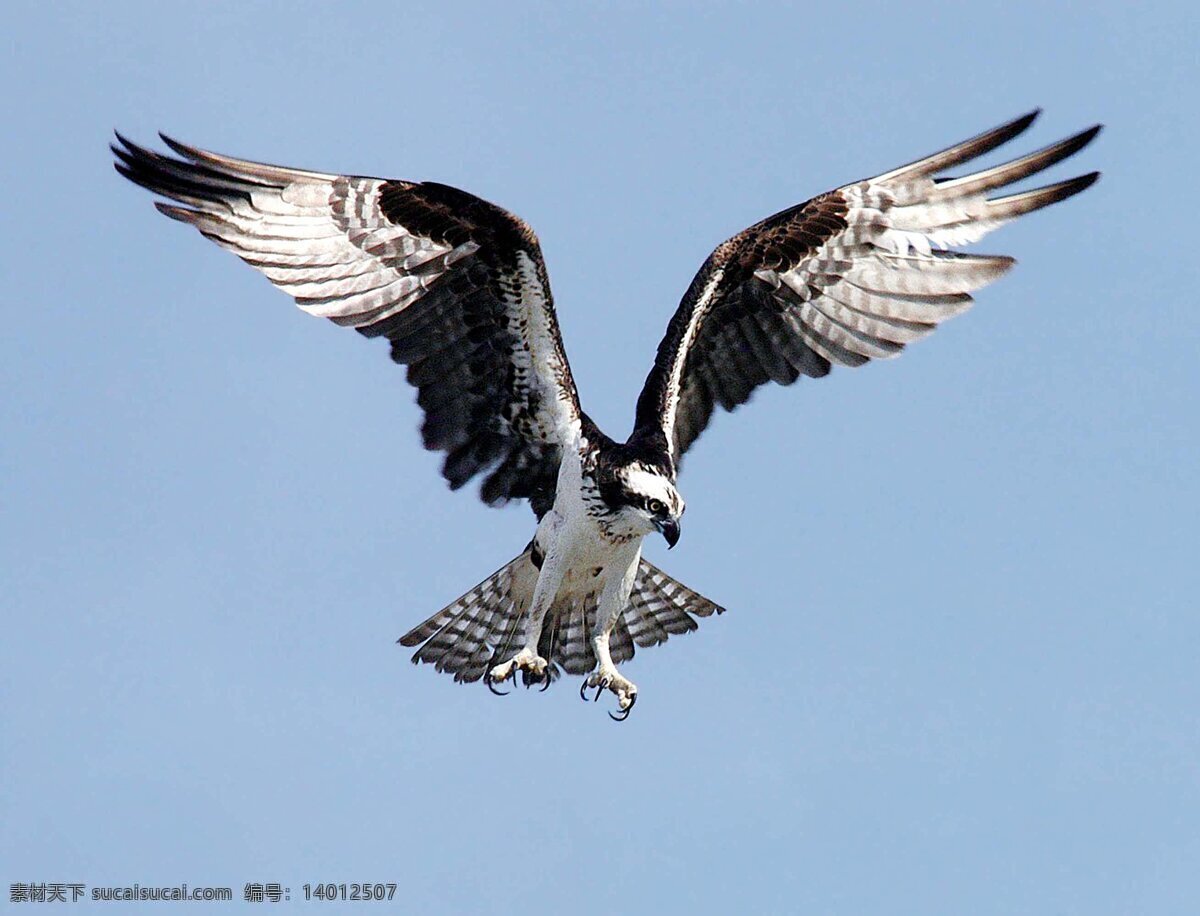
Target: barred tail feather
<point>466,637</point>
<point>661,606</point>
<point>658,608</point>
<point>486,626</point>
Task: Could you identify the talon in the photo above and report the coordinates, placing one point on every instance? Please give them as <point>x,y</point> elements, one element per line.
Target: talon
<point>624,713</point>
<point>491,685</point>
<point>583,690</point>
<point>600,688</point>
<point>545,681</point>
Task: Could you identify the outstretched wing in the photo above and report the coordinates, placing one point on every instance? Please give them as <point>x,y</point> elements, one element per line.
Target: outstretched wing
<point>456,284</point>
<point>847,277</point>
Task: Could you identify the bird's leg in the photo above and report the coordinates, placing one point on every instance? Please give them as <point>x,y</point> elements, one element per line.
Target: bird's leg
<point>549,579</point>
<point>613,599</point>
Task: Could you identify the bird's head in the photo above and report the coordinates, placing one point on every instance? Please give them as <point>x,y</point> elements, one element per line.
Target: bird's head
<point>648,501</point>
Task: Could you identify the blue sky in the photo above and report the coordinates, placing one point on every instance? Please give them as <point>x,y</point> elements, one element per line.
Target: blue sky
<point>958,672</point>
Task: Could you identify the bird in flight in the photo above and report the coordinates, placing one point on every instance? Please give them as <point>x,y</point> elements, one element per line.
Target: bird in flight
<point>458,287</point>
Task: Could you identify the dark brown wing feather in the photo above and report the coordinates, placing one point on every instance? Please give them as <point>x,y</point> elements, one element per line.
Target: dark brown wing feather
<point>456,284</point>
<point>847,277</point>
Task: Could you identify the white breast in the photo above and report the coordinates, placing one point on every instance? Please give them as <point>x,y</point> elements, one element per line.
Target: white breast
<point>569,527</point>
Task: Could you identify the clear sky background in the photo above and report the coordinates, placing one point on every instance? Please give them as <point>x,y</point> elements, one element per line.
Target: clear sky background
<point>958,673</point>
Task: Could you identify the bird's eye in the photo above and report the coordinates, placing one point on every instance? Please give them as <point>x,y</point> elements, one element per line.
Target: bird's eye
<point>656,505</point>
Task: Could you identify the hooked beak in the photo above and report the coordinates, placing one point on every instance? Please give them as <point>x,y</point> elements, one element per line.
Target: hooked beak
<point>670,530</point>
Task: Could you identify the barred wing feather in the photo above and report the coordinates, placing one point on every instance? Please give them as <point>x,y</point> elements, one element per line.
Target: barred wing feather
<point>456,284</point>
<point>850,276</point>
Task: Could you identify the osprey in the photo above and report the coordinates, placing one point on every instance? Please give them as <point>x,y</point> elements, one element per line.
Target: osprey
<point>458,287</point>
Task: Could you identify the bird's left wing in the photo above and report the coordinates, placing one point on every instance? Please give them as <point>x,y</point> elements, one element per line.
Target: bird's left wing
<point>456,284</point>
<point>847,277</point>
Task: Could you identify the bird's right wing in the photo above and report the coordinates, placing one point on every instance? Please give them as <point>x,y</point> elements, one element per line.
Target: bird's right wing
<point>456,284</point>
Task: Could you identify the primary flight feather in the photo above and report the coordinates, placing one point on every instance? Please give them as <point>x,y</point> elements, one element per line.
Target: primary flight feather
<point>459,288</point>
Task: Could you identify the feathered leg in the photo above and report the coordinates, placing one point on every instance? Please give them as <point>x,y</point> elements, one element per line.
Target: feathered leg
<point>549,580</point>
<point>613,599</point>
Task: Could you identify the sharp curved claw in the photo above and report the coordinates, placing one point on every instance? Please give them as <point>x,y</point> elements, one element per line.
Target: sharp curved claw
<point>545,681</point>
<point>624,713</point>
<point>600,688</point>
<point>491,685</point>
<point>583,690</point>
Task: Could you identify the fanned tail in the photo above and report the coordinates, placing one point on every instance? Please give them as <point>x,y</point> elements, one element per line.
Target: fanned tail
<point>486,626</point>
